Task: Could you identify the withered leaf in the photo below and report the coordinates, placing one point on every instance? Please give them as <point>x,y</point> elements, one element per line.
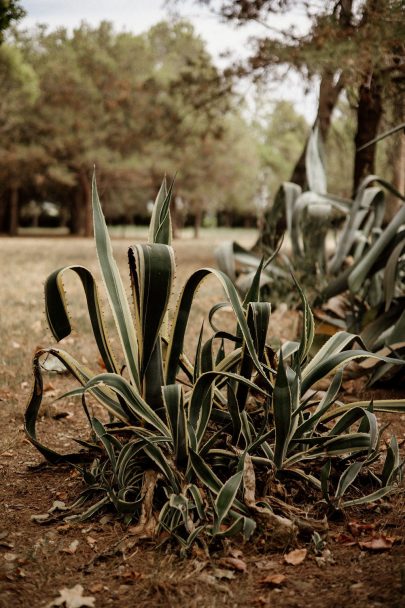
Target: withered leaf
<point>295,557</point>
<point>273,580</point>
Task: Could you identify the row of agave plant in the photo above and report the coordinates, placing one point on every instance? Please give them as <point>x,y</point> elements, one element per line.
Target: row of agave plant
<point>200,447</point>
<point>365,270</point>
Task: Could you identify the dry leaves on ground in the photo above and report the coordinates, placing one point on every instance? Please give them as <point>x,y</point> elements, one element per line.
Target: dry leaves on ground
<point>295,557</point>
<point>73,598</point>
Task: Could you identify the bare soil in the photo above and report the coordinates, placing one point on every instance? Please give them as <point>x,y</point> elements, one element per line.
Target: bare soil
<point>36,561</point>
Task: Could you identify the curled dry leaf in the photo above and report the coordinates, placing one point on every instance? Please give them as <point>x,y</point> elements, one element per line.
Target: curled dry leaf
<point>72,598</point>
<point>358,528</point>
<point>378,543</point>
<point>273,580</point>
<point>236,563</point>
<point>295,557</point>
<point>72,548</point>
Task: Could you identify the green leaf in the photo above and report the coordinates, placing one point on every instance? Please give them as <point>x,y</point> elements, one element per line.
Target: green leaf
<point>58,317</point>
<point>176,415</point>
<point>160,227</point>
<point>282,409</point>
<point>115,291</point>
<point>347,478</point>
<point>226,497</point>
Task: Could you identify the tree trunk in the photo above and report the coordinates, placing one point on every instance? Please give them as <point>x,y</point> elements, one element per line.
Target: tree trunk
<point>13,216</point>
<point>197,223</point>
<point>3,213</point>
<point>75,224</point>
<point>329,92</point>
<point>88,216</point>
<point>369,112</point>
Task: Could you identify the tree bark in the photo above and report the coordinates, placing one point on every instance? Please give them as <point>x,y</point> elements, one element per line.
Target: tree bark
<point>88,216</point>
<point>369,112</point>
<point>13,215</point>
<point>329,92</point>
<point>197,223</point>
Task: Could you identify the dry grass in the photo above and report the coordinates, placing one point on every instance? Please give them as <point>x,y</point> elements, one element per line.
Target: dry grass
<point>25,264</point>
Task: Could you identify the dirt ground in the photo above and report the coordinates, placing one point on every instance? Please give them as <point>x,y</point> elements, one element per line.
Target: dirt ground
<point>38,560</point>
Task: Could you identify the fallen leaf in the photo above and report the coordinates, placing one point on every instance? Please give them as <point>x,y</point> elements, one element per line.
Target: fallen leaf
<point>41,517</point>
<point>72,548</point>
<point>49,387</point>
<point>273,580</point>
<point>92,541</point>
<point>58,505</point>
<point>73,598</point>
<point>10,557</point>
<point>345,539</point>
<point>266,564</point>
<point>357,528</point>
<point>378,543</point>
<point>223,573</point>
<point>234,562</point>
<point>295,557</point>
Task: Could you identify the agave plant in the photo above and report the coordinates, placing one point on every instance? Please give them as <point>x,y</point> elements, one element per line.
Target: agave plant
<point>197,448</point>
<point>366,270</point>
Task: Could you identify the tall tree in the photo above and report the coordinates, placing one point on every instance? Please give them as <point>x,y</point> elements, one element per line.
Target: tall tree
<point>358,46</point>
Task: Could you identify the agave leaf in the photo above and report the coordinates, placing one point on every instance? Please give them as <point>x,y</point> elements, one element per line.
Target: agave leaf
<point>226,497</point>
<point>334,361</point>
<point>176,415</point>
<point>58,317</point>
<point>367,499</point>
<point>157,456</point>
<point>233,409</point>
<point>308,326</point>
<point>134,401</point>
<point>202,395</point>
<point>400,127</point>
<point>314,163</point>
<point>390,274</point>
<point>325,474</point>
<point>83,375</point>
<point>343,444</point>
<point>204,472</point>
<point>389,405</point>
<point>347,478</point>
<point>258,317</point>
<point>365,199</point>
<point>337,343</point>
<point>160,227</point>
<point>197,499</point>
<point>244,525</point>
<point>392,462</point>
<point>182,313</point>
<point>360,272</point>
<point>282,409</point>
<point>115,291</point>
<point>152,268</point>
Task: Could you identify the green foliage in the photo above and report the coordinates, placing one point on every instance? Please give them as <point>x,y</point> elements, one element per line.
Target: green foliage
<point>196,448</point>
<point>10,10</point>
<point>138,106</point>
<point>365,263</point>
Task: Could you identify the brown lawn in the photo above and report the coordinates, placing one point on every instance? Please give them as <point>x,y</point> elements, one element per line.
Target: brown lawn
<point>39,560</point>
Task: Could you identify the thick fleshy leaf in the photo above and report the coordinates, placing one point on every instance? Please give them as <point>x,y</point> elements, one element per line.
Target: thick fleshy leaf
<point>183,311</point>
<point>226,497</point>
<point>176,415</point>
<point>58,317</point>
<point>115,291</point>
<point>282,410</point>
<point>160,227</point>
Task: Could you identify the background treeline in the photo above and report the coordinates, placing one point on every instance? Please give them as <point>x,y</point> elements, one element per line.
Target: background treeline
<point>140,106</point>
